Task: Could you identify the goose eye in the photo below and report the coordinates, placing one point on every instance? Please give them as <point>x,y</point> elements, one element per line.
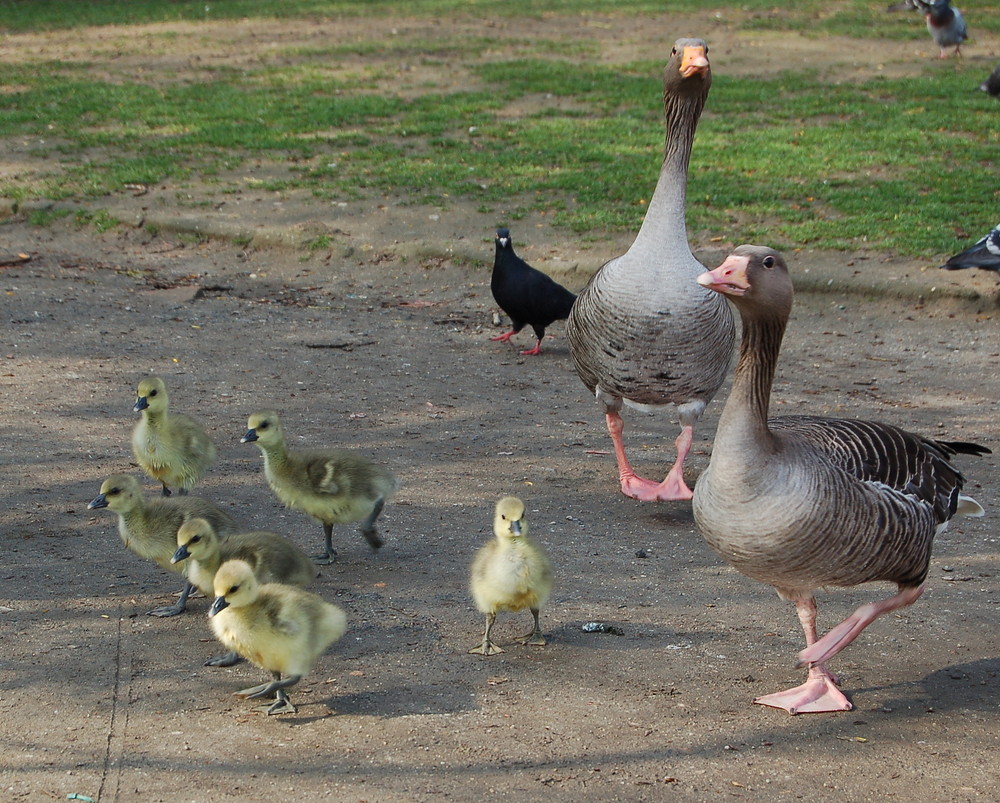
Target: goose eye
<point>262,425</point>
<point>113,492</point>
<point>152,393</point>
<point>673,52</point>
<point>233,590</point>
<point>195,540</point>
<point>768,262</point>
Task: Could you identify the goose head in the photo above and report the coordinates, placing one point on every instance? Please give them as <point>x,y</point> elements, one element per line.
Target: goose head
<point>688,69</point>
<point>755,278</point>
<point>508,518</point>
<point>151,395</point>
<point>235,584</point>
<point>119,492</point>
<point>264,429</point>
<point>194,538</point>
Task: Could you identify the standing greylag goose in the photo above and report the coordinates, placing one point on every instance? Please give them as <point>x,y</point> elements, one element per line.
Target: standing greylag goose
<point>510,573</point>
<point>801,502</point>
<point>280,628</point>
<point>642,331</point>
<point>148,527</point>
<point>335,486</point>
<point>526,294</point>
<point>984,253</point>
<point>172,448</point>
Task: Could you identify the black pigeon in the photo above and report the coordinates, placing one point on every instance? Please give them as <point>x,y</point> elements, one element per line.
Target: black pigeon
<point>991,86</point>
<point>527,295</point>
<point>984,254</point>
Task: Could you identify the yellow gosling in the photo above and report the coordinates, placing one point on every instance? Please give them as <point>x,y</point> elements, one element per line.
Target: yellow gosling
<point>274,559</point>
<point>172,448</point>
<point>148,527</point>
<point>280,628</point>
<point>335,486</point>
<point>510,573</point>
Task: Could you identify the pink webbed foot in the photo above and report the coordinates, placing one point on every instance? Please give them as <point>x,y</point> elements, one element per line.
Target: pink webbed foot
<point>819,694</point>
<point>535,351</point>
<point>504,337</point>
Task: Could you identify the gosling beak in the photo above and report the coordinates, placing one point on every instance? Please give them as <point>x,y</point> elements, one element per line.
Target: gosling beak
<point>98,501</point>
<point>249,436</point>
<point>140,405</point>
<point>219,604</point>
<point>515,527</point>
<point>693,61</point>
<point>181,554</point>
<point>730,278</point>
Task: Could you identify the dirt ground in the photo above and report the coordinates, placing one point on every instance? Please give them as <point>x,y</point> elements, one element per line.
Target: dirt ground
<point>383,346</point>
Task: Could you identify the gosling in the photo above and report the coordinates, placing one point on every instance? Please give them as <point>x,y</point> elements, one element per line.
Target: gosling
<point>172,448</point>
<point>510,573</point>
<point>280,628</point>
<point>335,486</point>
<point>149,527</point>
<point>274,559</point>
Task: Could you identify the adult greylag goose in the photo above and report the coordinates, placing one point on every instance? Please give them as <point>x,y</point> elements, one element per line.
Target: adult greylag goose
<point>172,448</point>
<point>526,294</point>
<point>280,628</point>
<point>642,332</point>
<point>335,486</point>
<point>801,502</point>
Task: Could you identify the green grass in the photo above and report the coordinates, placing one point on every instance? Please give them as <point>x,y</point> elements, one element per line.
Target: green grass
<point>904,165</point>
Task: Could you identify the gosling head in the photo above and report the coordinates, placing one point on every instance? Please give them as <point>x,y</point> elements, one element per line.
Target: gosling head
<point>508,518</point>
<point>263,428</point>
<point>119,492</point>
<point>194,538</point>
<point>235,584</point>
<point>151,395</point>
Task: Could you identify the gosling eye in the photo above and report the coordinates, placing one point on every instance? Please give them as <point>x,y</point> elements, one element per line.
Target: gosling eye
<point>262,425</point>
<point>232,590</point>
<point>195,540</point>
<point>768,262</point>
<point>114,491</point>
<point>152,393</point>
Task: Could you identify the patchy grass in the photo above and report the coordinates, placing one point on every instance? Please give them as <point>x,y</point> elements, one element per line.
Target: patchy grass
<point>792,159</point>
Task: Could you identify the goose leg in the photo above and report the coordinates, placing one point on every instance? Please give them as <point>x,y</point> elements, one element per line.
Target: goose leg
<point>673,488</point>
<point>177,607</point>
<point>631,484</point>
<point>368,526</point>
<point>165,491</point>
<point>276,687</point>
<point>329,554</point>
<point>535,637</point>
<point>487,647</point>
<point>844,633</point>
<point>819,693</point>
<point>229,659</point>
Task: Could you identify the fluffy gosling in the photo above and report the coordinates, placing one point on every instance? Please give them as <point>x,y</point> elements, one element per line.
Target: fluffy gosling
<point>280,628</point>
<point>170,447</point>
<point>274,559</point>
<point>510,573</point>
<point>149,527</point>
<point>335,486</point>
